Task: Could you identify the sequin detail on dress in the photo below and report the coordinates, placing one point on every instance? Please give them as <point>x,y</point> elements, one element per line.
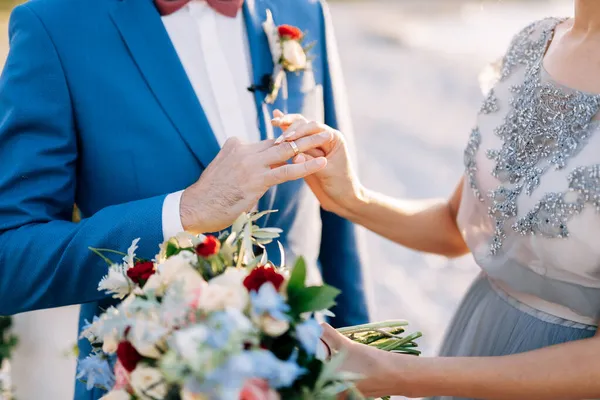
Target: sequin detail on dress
<point>551,214</point>
<point>470,163</point>
<point>544,127</point>
<point>490,104</point>
<point>524,50</point>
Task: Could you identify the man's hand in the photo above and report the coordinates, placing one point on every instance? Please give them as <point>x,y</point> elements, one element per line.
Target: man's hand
<point>239,176</point>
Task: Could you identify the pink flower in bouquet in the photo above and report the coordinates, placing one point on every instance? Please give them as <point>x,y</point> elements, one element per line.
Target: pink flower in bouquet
<point>263,274</point>
<point>121,377</point>
<point>209,247</point>
<point>258,389</point>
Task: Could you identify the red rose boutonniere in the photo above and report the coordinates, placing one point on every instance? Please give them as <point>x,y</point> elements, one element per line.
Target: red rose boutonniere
<point>288,50</point>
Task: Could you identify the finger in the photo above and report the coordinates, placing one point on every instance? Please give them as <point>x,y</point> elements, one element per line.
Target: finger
<point>296,132</point>
<point>308,155</point>
<point>291,172</point>
<point>318,152</point>
<point>335,340</point>
<point>285,151</point>
<point>301,158</point>
<point>261,146</point>
<point>291,128</point>
<point>284,120</point>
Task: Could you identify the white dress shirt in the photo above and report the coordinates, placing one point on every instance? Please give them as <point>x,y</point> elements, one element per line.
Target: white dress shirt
<point>215,54</point>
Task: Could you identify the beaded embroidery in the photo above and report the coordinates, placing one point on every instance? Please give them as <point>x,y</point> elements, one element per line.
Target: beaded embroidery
<point>550,215</point>
<point>490,104</point>
<point>544,127</point>
<point>470,163</point>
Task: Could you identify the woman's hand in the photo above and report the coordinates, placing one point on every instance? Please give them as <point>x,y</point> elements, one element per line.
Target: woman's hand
<point>380,376</point>
<point>336,186</point>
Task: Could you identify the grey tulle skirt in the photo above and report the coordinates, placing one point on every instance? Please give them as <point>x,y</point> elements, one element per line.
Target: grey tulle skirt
<point>490,323</point>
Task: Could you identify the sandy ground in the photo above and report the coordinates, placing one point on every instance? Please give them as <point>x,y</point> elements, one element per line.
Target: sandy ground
<point>411,69</point>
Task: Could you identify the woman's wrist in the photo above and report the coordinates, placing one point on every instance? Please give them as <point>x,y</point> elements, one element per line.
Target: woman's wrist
<point>352,207</point>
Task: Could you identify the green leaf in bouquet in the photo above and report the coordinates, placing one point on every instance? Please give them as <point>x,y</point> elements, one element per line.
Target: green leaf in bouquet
<point>172,248</point>
<point>304,299</point>
<point>298,278</point>
<point>313,298</point>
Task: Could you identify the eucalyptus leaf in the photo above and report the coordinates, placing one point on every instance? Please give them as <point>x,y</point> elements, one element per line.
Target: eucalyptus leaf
<point>270,230</point>
<point>261,214</point>
<point>247,250</point>
<point>262,234</point>
<point>239,223</point>
<point>330,370</point>
<point>281,254</point>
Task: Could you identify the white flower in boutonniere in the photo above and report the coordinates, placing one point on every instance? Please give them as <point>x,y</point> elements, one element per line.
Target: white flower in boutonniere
<point>289,54</point>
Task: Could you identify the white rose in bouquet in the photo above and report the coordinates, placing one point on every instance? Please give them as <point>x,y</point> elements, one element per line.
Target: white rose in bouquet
<point>148,383</point>
<point>224,291</point>
<point>110,343</point>
<point>179,268</point>
<point>273,327</point>
<point>116,395</point>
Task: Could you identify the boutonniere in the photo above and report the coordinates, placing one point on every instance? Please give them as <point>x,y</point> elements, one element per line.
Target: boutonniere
<point>288,51</point>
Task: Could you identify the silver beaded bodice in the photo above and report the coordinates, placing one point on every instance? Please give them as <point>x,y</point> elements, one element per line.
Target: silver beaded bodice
<point>532,165</point>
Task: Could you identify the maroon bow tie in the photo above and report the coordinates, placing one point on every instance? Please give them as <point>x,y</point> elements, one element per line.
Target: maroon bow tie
<point>228,8</point>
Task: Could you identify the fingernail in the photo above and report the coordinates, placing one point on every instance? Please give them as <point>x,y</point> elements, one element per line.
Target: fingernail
<point>321,161</point>
<point>300,158</point>
<point>279,139</point>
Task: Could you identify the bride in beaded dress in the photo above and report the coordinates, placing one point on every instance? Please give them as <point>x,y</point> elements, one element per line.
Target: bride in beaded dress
<point>526,208</point>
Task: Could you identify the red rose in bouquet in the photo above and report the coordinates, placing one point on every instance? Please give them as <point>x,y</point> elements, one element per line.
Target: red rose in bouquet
<point>209,247</point>
<point>141,271</point>
<point>128,356</point>
<point>263,274</point>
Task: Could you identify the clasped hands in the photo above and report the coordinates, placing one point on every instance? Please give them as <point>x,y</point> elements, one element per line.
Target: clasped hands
<point>241,173</point>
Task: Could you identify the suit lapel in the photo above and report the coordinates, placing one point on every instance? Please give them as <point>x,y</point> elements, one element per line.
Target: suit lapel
<point>150,46</point>
<point>255,12</point>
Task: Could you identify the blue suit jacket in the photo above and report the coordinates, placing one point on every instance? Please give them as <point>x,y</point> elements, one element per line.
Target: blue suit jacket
<point>96,109</point>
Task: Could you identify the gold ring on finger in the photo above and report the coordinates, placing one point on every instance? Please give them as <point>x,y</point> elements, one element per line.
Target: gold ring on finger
<point>294,147</point>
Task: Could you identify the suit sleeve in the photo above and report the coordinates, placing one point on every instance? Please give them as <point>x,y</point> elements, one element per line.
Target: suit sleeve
<point>340,257</point>
<point>44,257</point>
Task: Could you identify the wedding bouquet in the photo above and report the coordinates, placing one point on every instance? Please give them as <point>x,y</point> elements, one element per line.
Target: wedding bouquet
<point>209,319</point>
<point>8,342</point>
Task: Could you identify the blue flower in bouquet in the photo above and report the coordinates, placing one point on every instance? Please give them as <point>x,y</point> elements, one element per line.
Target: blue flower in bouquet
<point>95,371</point>
<point>309,333</point>
<point>278,373</point>
<point>228,379</point>
<point>226,324</point>
<point>268,300</point>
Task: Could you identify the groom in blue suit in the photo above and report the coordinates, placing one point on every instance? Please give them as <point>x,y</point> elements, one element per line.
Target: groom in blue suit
<point>121,109</point>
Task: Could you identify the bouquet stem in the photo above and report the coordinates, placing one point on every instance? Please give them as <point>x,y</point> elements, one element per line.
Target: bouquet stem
<point>384,335</point>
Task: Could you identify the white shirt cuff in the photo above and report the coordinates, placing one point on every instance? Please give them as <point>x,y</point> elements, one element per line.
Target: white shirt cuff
<point>171,218</point>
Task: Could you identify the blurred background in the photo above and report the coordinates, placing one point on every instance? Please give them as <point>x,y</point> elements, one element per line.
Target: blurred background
<point>411,68</point>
